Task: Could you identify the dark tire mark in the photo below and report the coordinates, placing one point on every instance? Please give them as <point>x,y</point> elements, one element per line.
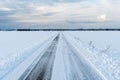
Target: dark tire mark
<point>43,69</point>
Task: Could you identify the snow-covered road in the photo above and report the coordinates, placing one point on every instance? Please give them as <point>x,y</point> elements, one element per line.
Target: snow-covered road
<point>75,66</point>
<point>43,69</point>
<point>58,58</point>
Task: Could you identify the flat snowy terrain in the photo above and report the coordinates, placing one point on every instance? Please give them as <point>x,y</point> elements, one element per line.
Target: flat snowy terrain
<point>59,55</point>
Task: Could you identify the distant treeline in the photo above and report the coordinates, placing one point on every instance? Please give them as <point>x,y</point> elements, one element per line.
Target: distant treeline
<point>59,29</point>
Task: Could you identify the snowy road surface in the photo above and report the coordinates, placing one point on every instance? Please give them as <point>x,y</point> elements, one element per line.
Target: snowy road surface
<point>43,69</point>
<point>58,59</point>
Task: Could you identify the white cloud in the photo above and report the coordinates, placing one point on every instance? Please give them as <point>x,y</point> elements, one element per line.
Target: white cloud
<point>105,2</point>
<point>5,9</point>
<point>102,17</point>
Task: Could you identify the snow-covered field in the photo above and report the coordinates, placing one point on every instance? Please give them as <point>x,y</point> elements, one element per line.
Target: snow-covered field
<point>101,49</point>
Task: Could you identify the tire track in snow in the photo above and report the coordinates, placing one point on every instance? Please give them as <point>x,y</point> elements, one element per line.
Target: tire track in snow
<point>72,72</point>
<point>79,66</point>
<point>43,69</point>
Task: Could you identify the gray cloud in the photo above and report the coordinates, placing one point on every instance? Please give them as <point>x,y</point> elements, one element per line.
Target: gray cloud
<point>50,14</point>
<point>4,16</point>
<point>54,11</point>
<point>80,21</point>
<point>48,1</point>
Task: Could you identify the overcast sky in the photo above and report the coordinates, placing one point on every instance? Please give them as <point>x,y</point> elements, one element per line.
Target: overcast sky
<point>60,11</point>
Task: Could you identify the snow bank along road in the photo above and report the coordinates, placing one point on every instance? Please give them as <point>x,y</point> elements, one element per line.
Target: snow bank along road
<point>58,60</point>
